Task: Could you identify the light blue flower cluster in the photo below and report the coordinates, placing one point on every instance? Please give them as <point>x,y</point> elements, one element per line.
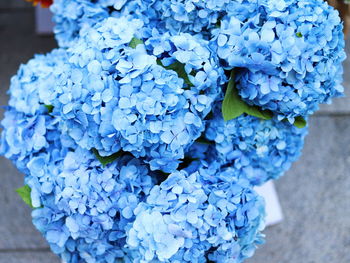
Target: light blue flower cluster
<point>261,150</point>
<point>174,16</point>
<point>35,83</point>
<point>198,217</point>
<point>192,56</point>
<point>120,132</point>
<point>115,97</point>
<point>291,52</point>
<point>195,16</point>
<point>72,16</point>
<point>87,212</point>
<point>24,136</point>
<point>86,207</point>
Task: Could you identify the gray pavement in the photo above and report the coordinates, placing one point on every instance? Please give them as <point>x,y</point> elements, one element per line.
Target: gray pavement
<point>315,193</point>
<point>314,196</point>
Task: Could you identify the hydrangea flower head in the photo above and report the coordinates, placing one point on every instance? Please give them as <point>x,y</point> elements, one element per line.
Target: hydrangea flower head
<point>35,84</point>
<point>24,136</point>
<point>173,16</point>
<point>291,54</point>
<point>191,16</point>
<point>71,16</point>
<point>116,97</point>
<point>260,149</point>
<point>207,215</point>
<point>85,208</point>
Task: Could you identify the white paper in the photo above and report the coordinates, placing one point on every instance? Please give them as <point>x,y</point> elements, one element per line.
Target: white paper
<point>274,214</point>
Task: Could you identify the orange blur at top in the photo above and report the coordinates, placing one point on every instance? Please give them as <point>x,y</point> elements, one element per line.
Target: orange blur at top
<point>43,3</point>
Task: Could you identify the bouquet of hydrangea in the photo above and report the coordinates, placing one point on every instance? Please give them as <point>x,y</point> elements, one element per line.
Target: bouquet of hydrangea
<point>142,137</point>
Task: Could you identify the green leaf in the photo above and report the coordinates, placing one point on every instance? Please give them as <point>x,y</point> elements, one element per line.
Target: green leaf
<point>233,106</point>
<point>134,42</point>
<point>300,122</point>
<point>299,34</point>
<point>104,160</point>
<point>179,68</point>
<point>259,113</point>
<point>24,193</point>
<point>49,108</point>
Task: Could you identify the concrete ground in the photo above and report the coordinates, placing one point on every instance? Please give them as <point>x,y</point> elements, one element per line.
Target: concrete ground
<point>315,193</point>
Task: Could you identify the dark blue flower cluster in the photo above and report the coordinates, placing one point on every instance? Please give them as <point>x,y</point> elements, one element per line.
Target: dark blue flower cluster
<point>121,133</point>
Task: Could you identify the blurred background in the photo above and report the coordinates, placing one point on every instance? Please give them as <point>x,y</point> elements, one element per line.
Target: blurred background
<point>314,194</point>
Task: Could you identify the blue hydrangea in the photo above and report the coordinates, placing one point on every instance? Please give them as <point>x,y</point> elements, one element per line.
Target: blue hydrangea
<point>84,208</point>
<point>199,63</point>
<point>116,97</point>
<point>195,16</point>
<point>23,136</point>
<point>291,97</point>
<point>71,16</point>
<point>206,215</point>
<point>35,83</point>
<point>304,52</point>
<point>280,36</point>
<point>81,207</point>
<point>261,150</point>
<point>174,16</point>
<point>120,132</point>
<point>291,52</point>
